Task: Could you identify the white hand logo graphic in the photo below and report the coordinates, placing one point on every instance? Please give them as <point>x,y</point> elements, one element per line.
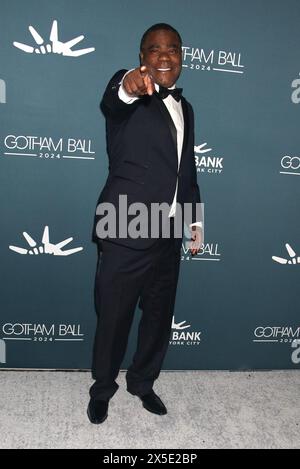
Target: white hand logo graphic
<point>201,149</point>
<point>179,325</point>
<point>292,254</point>
<point>57,47</point>
<point>47,248</point>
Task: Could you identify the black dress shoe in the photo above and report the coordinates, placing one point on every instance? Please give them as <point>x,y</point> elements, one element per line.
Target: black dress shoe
<point>97,411</point>
<point>153,403</point>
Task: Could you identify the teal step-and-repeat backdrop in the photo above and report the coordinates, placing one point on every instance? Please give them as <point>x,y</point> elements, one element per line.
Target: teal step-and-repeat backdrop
<point>238,300</point>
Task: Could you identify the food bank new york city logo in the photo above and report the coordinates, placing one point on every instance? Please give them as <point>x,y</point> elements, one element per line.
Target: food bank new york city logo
<point>54,46</point>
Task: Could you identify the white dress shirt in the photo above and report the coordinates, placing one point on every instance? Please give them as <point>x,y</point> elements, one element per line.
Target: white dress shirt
<point>175,109</point>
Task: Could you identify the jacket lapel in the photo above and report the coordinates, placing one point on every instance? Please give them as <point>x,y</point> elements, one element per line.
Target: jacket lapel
<point>186,124</point>
<point>168,119</point>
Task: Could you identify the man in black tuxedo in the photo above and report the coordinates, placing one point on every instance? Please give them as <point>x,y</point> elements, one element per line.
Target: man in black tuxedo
<point>150,143</point>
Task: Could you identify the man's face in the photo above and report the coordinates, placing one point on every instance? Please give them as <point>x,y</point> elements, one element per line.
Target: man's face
<point>162,56</point>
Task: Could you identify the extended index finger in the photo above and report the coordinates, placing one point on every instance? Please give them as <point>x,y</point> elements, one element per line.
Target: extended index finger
<point>143,70</point>
<point>148,81</point>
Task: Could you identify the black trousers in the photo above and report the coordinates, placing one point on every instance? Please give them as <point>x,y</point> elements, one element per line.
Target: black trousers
<point>125,276</point>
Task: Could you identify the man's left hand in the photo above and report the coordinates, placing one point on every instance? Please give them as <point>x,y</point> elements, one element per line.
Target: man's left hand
<point>196,240</point>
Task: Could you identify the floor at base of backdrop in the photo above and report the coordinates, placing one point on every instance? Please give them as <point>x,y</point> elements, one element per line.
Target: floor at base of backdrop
<point>206,409</point>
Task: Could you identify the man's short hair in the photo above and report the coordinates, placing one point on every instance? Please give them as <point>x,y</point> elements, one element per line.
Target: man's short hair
<point>158,27</point>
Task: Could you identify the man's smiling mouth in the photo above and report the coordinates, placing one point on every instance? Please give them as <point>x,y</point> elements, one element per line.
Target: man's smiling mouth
<point>163,69</point>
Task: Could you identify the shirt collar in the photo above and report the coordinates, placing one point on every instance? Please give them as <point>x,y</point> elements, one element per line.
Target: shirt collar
<point>170,87</point>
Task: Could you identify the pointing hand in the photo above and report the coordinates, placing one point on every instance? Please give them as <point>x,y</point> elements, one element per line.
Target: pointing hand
<point>139,82</point>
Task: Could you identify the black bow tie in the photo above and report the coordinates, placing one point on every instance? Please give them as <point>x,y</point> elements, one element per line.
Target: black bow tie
<point>164,92</point>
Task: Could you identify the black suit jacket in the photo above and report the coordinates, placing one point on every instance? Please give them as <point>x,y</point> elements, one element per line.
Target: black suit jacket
<point>142,152</point>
